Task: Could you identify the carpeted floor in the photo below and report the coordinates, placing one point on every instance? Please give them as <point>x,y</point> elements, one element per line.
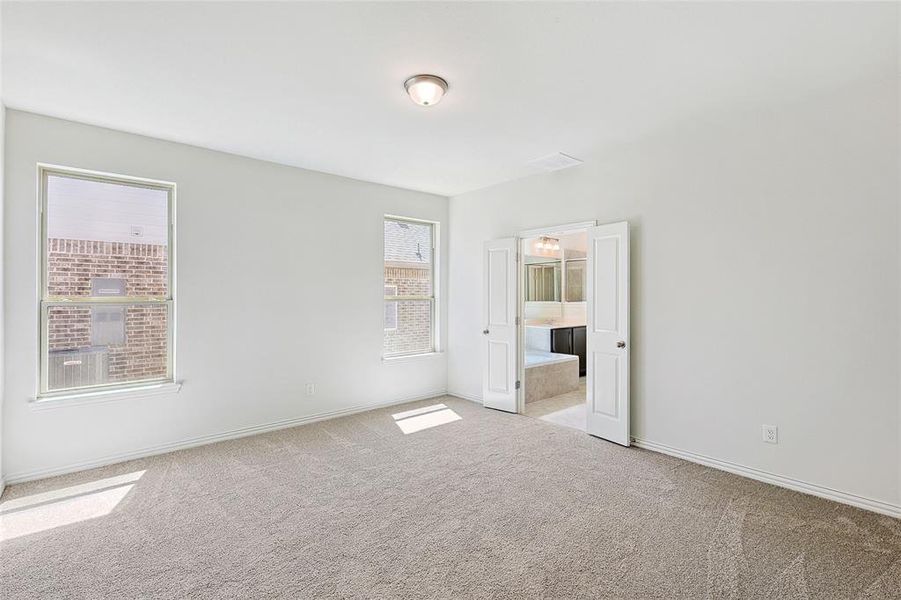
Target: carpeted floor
<point>470,503</point>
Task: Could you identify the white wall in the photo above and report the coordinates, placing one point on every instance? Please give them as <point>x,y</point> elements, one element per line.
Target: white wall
<point>279,283</point>
<point>765,280</point>
<point>2,262</point>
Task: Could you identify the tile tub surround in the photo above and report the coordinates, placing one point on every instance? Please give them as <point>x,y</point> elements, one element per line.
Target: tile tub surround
<point>549,375</point>
<point>538,338</point>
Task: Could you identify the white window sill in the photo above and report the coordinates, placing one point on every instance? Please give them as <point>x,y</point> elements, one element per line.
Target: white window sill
<point>410,357</point>
<point>91,397</point>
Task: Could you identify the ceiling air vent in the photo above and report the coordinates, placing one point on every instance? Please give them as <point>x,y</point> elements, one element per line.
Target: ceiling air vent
<point>554,162</point>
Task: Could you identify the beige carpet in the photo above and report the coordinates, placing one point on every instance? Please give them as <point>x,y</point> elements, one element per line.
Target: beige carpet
<point>470,503</point>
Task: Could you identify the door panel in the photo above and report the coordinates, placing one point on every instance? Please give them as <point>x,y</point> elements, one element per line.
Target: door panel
<point>498,277</point>
<point>499,337</point>
<point>498,366</point>
<point>605,373</point>
<point>605,252</point>
<point>607,332</point>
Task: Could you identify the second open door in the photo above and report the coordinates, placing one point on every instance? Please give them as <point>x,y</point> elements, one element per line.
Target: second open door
<point>500,335</point>
<point>607,327</point>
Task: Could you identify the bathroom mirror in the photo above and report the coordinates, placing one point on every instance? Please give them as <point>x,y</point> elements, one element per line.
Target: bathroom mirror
<point>575,280</point>
<point>543,282</point>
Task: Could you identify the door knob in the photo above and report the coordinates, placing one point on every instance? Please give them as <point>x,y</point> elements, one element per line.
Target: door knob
<point>485,332</point>
<point>620,344</point>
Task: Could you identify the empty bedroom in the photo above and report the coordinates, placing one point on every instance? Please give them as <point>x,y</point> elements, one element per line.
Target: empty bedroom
<point>450,300</point>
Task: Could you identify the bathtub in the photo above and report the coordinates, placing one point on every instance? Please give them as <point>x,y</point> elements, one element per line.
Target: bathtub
<point>543,357</point>
<point>549,374</point>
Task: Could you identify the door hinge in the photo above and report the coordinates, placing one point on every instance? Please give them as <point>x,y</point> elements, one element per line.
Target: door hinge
<point>517,384</point>
<point>517,320</point>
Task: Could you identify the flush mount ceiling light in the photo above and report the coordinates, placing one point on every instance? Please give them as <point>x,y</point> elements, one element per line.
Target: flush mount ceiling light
<point>425,90</point>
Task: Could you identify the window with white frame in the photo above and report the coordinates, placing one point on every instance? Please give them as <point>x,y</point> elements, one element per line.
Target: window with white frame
<point>107,302</point>
<point>410,302</point>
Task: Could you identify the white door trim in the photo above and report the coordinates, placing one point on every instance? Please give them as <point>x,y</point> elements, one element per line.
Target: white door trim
<point>557,229</point>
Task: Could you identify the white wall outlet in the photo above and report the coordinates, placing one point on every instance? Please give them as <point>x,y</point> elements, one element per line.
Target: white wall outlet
<point>311,389</point>
<point>770,434</point>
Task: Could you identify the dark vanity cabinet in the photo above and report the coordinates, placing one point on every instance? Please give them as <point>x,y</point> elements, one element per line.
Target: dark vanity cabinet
<point>562,340</point>
<point>570,340</point>
<point>579,343</point>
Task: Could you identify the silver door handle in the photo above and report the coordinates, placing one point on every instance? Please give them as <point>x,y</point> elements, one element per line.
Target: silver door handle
<point>620,344</point>
<point>485,332</point>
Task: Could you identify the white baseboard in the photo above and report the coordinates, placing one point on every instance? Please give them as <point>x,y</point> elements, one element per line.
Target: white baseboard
<point>885,508</point>
<point>878,506</point>
<point>22,477</point>
<point>462,396</point>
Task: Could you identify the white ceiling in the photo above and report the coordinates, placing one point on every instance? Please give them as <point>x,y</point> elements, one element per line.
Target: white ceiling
<point>320,85</point>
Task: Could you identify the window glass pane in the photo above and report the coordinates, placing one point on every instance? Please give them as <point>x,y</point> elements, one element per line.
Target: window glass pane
<point>390,308</point>
<point>106,344</point>
<point>413,327</point>
<point>106,239</point>
<point>575,281</point>
<point>408,257</point>
<point>408,272</point>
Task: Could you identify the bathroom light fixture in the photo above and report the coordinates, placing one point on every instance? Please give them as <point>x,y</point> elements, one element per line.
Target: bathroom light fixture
<point>425,90</point>
<point>547,243</point>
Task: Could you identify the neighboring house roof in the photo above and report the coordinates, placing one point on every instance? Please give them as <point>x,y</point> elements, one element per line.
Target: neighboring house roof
<point>408,242</point>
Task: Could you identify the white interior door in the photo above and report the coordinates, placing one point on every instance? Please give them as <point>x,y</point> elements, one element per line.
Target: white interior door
<point>499,337</point>
<point>607,349</point>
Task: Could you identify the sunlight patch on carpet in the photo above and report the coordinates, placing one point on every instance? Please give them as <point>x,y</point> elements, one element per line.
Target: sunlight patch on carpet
<point>48,510</point>
<point>411,421</point>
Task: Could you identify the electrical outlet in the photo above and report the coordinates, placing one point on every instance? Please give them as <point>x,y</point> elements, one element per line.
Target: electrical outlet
<point>770,434</point>
<point>311,389</point>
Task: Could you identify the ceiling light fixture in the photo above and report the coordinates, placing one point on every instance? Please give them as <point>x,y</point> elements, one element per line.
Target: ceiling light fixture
<point>425,90</point>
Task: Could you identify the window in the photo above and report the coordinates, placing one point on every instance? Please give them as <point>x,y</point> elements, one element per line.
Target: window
<point>107,303</point>
<point>410,304</point>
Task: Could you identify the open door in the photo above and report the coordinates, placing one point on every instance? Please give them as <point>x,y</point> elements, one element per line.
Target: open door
<point>499,337</point>
<point>608,332</point>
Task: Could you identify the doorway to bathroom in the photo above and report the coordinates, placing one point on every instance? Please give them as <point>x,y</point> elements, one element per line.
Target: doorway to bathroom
<point>554,320</point>
<point>556,337</point>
